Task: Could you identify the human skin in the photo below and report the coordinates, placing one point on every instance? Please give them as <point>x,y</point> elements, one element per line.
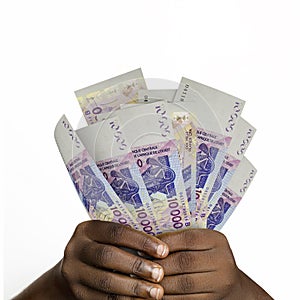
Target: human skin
<point>190,264</point>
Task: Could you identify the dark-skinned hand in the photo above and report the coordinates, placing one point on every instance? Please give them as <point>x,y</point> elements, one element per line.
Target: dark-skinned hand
<point>182,265</point>
<point>200,265</point>
<point>95,267</point>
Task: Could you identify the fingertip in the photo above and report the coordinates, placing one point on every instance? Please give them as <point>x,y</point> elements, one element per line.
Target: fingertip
<point>156,293</point>
<point>157,274</point>
<point>153,247</point>
<point>162,250</point>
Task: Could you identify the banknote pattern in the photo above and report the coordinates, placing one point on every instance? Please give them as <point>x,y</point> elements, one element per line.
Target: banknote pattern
<point>211,149</point>
<point>109,95</point>
<point>158,160</point>
<point>223,209</point>
<point>241,140</point>
<point>232,195</point>
<point>123,175</point>
<point>155,150</point>
<point>161,171</point>
<point>216,114</point>
<point>225,173</point>
<point>185,134</point>
<point>94,191</point>
<point>110,149</point>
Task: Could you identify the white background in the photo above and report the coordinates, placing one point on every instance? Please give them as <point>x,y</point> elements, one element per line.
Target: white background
<point>249,49</point>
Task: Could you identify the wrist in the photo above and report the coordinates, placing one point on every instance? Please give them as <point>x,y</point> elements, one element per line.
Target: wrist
<point>60,284</point>
<point>49,286</point>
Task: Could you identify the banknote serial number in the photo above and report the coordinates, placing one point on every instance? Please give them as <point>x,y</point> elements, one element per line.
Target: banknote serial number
<point>184,92</point>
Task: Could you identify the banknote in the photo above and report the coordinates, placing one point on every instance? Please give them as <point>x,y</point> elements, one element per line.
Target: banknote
<point>110,149</point>
<point>232,195</point>
<point>149,131</point>
<point>216,115</point>
<point>108,95</point>
<point>241,139</point>
<point>185,135</point>
<point>96,194</point>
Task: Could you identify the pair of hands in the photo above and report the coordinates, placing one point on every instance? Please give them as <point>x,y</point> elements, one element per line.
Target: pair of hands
<point>191,264</point>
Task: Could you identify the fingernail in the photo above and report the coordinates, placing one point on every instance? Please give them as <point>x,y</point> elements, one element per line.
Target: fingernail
<point>162,250</point>
<point>155,293</point>
<point>157,274</point>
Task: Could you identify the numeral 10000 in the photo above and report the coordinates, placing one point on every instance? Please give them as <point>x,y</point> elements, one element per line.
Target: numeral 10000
<point>175,214</point>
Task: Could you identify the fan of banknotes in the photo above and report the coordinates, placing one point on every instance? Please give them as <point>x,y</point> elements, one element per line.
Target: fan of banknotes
<point>158,160</point>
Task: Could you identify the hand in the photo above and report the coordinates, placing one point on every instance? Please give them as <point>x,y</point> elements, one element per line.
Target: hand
<point>200,266</point>
<point>94,267</point>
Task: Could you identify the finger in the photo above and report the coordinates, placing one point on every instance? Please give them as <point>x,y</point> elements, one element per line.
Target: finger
<point>111,257</point>
<point>189,283</point>
<point>82,292</point>
<point>120,235</point>
<point>119,284</point>
<point>202,296</point>
<point>192,239</point>
<point>189,262</point>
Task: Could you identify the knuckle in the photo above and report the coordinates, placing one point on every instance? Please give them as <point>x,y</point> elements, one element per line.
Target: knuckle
<point>70,249</point>
<point>116,231</point>
<point>221,238</point>
<point>67,271</point>
<point>211,259</point>
<point>146,244</point>
<point>137,267</point>
<point>84,249</point>
<point>136,289</point>
<point>78,292</point>
<point>103,255</point>
<point>81,227</point>
<point>189,237</point>
<point>186,284</point>
<point>104,284</point>
<point>184,261</point>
